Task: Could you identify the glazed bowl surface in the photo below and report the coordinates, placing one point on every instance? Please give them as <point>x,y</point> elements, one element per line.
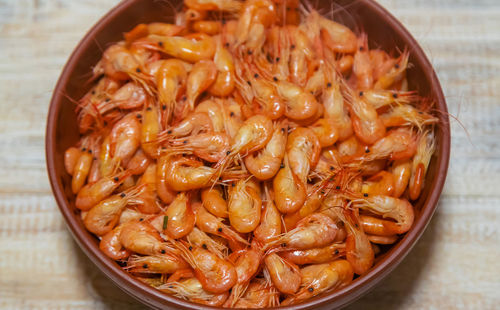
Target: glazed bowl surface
<point>383,30</point>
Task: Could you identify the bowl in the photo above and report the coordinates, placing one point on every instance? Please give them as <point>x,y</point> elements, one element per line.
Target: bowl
<point>383,30</point>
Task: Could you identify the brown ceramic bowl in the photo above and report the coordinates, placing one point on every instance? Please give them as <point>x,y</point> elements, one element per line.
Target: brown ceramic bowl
<point>383,30</point>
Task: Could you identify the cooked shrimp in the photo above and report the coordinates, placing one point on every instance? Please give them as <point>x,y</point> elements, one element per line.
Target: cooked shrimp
<point>325,131</point>
<point>403,115</point>
<point>425,148</point>
<point>111,246</point>
<point>399,143</point>
<point>259,294</point>
<point>401,172</point>
<point>179,217</point>
<point>300,105</point>
<point>265,163</point>
<point>171,77</point>
<point>142,238</point>
<point>335,111</point>
<point>214,5</point>
<point>210,27</point>
<point>289,190</point>
<point>211,147</point>
<point>381,98</point>
<point>138,163</point>
<point>284,274</point>
<point>200,79</point>
<point>362,66</point>
<point>159,263</point>
<point>303,149</point>
<point>270,223</point>
<point>193,124</point>
<point>244,207</point>
<point>71,156</point>
<point>225,80</point>
<point>395,74</point>
<point>337,37</point>
<point>213,200</point>
<point>81,170</point>
<point>381,183</point>
<point>318,278</point>
<point>200,239</point>
<point>316,255</point>
<point>147,197</point>
<point>184,174</point>
<point>149,131</point>
<point>125,138</point>
<point>142,30</point>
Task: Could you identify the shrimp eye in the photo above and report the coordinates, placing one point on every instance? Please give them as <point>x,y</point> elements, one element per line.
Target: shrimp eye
<point>219,229</point>
<point>231,114</point>
<point>283,245</point>
<point>148,109</point>
<point>275,79</point>
<point>228,152</point>
<point>84,149</point>
<point>277,59</point>
<point>361,48</point>
<point>108,100</point>
<point>336,252</point>
<point>328,85</point>
<point>116,179</point>
<point>164,107</point>
<point>310,289</point>
<point>367,150</point>
<point>185,141</point>
<point>249,52</point>
<point>365,194</point>
<point>141,219</point>
<point>122,195</point>
<point>204,246</point>
<point>160,43</point>
<point>190,248</point>
<point>169,131</point>
<point>163,251</point>
<point>361,93</point>
<point>89,151</point>
<point>282,166</point>
<point>248,82</point>
<point>282,130</point>
<point>331,168</point>
<point>395,95</point>
<point>337,187</point>
<point>138,70</point>
<point>138,116</point>
<point>396,66</point>
<point>227,44</point>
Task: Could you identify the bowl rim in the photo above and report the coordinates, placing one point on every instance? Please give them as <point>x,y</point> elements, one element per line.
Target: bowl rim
<point>154,298</point>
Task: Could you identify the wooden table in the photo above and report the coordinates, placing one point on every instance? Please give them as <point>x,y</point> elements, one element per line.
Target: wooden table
<point>455,264</point>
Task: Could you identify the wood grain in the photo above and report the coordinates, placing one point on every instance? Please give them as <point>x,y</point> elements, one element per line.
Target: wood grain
<point>454,265</point>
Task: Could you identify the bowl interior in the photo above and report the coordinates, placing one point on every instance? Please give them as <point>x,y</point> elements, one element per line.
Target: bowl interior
<point>383,31</point>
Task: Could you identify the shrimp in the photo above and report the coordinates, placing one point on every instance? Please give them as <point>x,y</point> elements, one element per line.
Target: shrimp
<point>315,197</point>
<point>179,217</point>
<point>193,124</point>
<point>359,252</point>
<point>81,170</point>
<point>125,138</point>
<point>316,255</point>
<point>300,105</point>
<point>366,123</point>
<point>382,239</point>
<point>259,294</point>
<point>270,223</point>
<point>147,202</point>
<point>129,96</point>
<point>190,288</point>
<point>164,191</point>
<point>111,246</point>
<point>399,143</point>
<point>142,238</point>
<point>289,190</point>
<point>149,131</point>
<point>159,263</point>
<point>183,174</point>
<point>395,74</point>
<point>213,200</point>
<point>102,218</point>
<point>381,98</point>
<point>142,30</point>
<point>362,66</point>
<point>336,37</point>
<point>225,81</point>
<point>214,5</point>
<point>215,274</point>
<point>313,231</point>
<point>400,210</point>
<point>191,48</point>
<point>244,207</point>
<point>301,52</point>
<point>325,131</point>
<point>201,77</point>
<point>403,115</point>
<point>91,194</point>
<point>247,263</point>
<point>71,156</point>
<point>265,164</point>
<point>335,111</point>
<point>201,239</point>
<point>401,172</point>
<point>214,112</point>
<point>303,149</point>
<point>171,77</point>
<point>317,279</point>
<point>254,12</point>
<point>211,147</point>
<point>425,148</point>
<point>381,183</point>
<point>284,274</point>
<point>211,224</point>
<point>210,27</point>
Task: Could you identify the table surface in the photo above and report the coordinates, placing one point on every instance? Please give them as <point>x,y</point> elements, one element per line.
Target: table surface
<point>453,266</point>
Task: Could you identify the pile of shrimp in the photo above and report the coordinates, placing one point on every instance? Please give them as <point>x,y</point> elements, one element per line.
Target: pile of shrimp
<point>252,154</point>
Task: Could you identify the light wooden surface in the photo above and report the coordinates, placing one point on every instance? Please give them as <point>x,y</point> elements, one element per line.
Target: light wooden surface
<point>455,264</point>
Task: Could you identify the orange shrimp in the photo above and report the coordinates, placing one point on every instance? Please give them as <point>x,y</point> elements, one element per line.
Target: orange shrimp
<point>401,172</point>
<point>193,124</point>
<point>325,131</point>
<point>247,263</point>
<point>142,30</point>
<point>395,74</point>
<point>191,48</point>
<point>211,224</point>
<point>200,239</point>
<point>81,170</point>
<point>210,27</point>
<point>300,105</point>
<point>317,279</point>
<point>71,156</point>
<point>425,148</point>
<point>289,190</point>
<point>201,77</point>
<point>270,223</point>
<point>399,210</point>
<point>359,252</point>
<point>125,138</point>
<point>399,143</point>
<point>211,147</point>
<point>303,150</point>
<point>215,112</point>
<point>381,98</point>
<point>259,294</point>
<point>362,66</point>
<point>244,207</point>
<point>147,198</point>
<point>183,174</point>
<point>159,263</point>
<point>142,238</point>
<point>315,197</point>
<point>366,123</point>
<point>214,5</point>
<point>129,96</point>
<point>179,217</point>
<point>171,77</point>
<point>224,82</point>
<point>107,165</point>
<point>164,191</point>
<point>404,115</point>
<point>316,255</point>
<point>255,13</point>
<point>284,274</point>
<point>336,37</point>
<point>149,131</point>
<point>265,163</point>
<point>313,231</point>
<point>213,200</point>
<point>381,183</point>
<point>382,239</point>
<point>102,218</point>
<point>301,52</point>
<point>215,274</point>
<point>91,194</point>
<point>335,111</point>
<point>111,246</point>
<point>138,163</point>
